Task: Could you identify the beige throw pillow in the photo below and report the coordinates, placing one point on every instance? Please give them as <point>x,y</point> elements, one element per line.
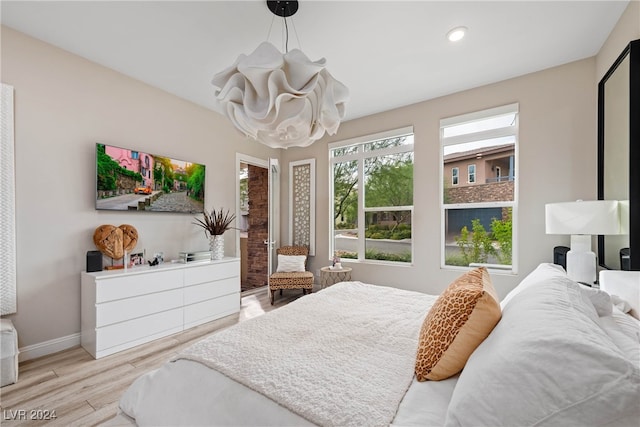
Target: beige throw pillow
<point>460,319</point>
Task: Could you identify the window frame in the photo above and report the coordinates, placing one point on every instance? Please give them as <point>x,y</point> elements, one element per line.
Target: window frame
<point>508,131</point>
<point>360,156</point>
<point>455,177</point>
<point>471,174</point>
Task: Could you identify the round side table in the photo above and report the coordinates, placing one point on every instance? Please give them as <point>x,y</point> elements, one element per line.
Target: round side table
<point>330,276</point>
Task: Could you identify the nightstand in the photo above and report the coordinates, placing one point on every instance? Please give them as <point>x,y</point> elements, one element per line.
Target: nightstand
<point>330,276</point>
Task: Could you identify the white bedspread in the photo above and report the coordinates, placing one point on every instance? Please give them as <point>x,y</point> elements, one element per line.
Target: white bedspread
<point>343,356</point>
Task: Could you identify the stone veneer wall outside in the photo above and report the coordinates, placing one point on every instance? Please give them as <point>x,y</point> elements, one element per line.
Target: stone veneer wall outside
<point>492,192</point>
<point>258,226</point>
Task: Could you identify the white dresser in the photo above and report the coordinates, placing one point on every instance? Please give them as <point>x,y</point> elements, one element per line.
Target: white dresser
<point>122,309</point>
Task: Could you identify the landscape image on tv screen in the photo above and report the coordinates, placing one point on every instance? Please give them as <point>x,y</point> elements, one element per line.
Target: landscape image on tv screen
<point>128,180</point>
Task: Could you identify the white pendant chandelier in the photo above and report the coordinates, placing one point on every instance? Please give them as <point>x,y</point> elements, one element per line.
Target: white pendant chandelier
<point>281,100</point>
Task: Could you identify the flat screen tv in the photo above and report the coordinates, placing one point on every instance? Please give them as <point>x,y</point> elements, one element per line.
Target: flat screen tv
<point>129,180</point>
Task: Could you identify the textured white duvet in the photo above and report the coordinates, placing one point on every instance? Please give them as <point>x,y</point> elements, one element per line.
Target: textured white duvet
<point>343,356</point>
<point>366,342</point>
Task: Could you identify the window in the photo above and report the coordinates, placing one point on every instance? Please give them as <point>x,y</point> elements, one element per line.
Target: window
<point>471,174</point>
<point>454,176</point>
<point>135,155</point>
<point>479,217</point>
<point>372,197</point>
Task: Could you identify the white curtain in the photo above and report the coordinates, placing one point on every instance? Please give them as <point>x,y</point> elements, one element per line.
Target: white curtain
<point>7,206</point>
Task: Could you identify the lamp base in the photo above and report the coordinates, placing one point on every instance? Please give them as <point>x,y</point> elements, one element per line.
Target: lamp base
<point>581,261</point>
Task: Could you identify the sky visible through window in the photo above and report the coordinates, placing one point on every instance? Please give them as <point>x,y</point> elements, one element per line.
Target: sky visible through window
<point>479,126</point>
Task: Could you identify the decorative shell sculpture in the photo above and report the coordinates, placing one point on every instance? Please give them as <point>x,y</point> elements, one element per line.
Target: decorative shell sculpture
<point>281,100</point>
<point>114,241</point>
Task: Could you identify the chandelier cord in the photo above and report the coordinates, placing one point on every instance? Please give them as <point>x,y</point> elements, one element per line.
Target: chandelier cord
<point>270,27</point>
<point>286,29</point>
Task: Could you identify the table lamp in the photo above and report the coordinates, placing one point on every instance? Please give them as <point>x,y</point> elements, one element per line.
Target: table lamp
<point>582,219</point>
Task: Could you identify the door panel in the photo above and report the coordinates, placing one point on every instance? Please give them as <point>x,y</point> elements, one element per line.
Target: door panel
<point>274,214</point>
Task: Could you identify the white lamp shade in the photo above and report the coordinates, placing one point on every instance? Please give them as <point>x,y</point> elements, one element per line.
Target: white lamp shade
<point>281,100</point>
<point>583,217</point>
<point>623,206</point>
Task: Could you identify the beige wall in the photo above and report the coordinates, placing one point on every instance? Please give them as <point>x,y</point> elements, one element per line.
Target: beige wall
<point>63,106</point>
<point>557,129</point>
<point>627,29</point>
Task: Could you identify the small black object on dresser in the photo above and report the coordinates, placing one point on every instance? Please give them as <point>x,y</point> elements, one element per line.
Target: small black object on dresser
<point>94,261</point>
<point>560,256</point>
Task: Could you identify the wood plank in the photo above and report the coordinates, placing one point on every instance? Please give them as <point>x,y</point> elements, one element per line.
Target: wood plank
<point>95,417</point>
<point>63,358</point>
<point>50,392</point>
<point>34,380</point>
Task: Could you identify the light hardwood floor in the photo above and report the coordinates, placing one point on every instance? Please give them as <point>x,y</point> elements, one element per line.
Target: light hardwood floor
<point>83,391</point>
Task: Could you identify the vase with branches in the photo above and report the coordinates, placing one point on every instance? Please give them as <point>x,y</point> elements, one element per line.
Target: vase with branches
<point>215,223</point>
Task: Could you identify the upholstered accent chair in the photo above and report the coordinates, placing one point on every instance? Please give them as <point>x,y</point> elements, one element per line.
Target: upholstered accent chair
<point>291,279</point>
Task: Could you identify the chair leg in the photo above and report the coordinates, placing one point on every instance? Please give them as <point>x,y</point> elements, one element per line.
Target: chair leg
<point>280,292</point>
<point>272,296</point>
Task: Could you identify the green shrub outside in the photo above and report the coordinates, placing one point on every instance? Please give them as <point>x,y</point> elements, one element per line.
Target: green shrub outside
<point>379,256</point>
<point>399,232</point>
<point>477,245</point>
<point>345,225</point>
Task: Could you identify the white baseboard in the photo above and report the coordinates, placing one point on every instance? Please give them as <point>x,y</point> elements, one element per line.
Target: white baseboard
<point>48,347</point>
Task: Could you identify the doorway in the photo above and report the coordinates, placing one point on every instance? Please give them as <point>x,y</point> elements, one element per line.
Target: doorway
<point>253,214</point>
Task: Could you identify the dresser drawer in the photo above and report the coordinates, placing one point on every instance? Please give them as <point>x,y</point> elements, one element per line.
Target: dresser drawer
<point>212,309</point>
<point>109,289</point>
<point>130,308</point>
<point>205,291</point>
<point>211,272</point>
<point>151,326</point>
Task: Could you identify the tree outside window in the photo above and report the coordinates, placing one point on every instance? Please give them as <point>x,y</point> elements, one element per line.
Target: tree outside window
<point>373,198</point>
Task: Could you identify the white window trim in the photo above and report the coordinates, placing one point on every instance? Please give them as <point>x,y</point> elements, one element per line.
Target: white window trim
<point>514,130</point>
<point>407,130</point>
<point>360,156</point>
<point>469,173</point>
<point>456,175</point>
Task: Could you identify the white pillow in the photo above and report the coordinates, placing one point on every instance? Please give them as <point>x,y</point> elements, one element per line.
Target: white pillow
<point>625,284</point>
<point>620,304</point>
<point>540,274</point>
<point>547,362</point>
<point>624,331</point>
<point>290,263</point>
<point>600,299</point>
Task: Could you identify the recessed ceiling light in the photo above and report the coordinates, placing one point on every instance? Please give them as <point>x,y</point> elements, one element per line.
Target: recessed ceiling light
<point>456,34</point>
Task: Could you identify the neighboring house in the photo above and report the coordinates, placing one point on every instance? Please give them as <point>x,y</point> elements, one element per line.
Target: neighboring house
<point>475,176</point>
<point>471,175</point>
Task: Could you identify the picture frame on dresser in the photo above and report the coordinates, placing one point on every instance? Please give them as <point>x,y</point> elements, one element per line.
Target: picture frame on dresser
<point>136,258</point>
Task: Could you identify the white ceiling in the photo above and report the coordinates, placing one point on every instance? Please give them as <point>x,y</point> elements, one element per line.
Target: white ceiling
<point>388,53</point>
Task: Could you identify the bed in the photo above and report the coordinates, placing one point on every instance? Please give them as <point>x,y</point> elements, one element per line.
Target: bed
<point>561,354</point>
